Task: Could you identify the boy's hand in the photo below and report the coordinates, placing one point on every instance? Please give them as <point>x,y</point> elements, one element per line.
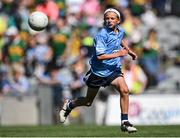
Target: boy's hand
<point>122,52</point>
<point>125,46</point>
<point>133,55</point>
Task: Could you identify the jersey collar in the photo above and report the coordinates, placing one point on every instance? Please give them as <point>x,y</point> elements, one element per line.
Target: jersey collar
<point>110,31</point>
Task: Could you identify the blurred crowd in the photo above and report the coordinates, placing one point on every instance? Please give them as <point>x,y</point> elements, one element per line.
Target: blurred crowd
<point>59,55</point>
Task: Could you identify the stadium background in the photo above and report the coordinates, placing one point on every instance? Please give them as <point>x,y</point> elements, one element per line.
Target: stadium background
<point>39,70</point>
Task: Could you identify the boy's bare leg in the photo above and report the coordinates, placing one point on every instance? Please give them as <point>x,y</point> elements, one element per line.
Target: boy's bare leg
<point>81,101</point>
<point>88,100</point>
<point>121,86</point>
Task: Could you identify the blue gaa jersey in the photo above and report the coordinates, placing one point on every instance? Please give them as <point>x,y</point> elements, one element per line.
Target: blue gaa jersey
<point>106,42</point>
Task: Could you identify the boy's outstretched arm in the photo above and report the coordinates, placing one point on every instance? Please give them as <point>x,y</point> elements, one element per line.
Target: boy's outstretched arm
<point>119,53</point>
<point>130,52</point>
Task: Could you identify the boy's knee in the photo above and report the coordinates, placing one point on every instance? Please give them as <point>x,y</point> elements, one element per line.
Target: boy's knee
<point>125,92</point>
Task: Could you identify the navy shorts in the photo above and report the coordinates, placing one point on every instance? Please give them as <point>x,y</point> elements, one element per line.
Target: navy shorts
<point>95,81</point>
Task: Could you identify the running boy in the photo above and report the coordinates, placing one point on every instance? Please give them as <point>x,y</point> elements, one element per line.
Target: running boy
<point>109,48</point>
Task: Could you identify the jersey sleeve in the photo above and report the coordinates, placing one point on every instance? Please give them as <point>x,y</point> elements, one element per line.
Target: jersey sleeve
<point>99,45</point>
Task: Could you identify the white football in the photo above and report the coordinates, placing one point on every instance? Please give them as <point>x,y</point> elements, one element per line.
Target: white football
<point>38,21</point>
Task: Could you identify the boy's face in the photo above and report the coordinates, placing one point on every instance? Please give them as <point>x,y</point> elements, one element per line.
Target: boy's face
<point>111,20</point>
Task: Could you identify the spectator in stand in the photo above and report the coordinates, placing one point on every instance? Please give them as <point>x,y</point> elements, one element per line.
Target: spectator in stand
<point>62,7</point>
<point>19,83</point>
<point>4,81</point>
<point>30,58</point>
<point>90,9</point>
<point>3,27</point>
<point>50,8</point>
<point>14,48</point>
<point>53,79</point>
<point>137,7</point>
<point>149,18</point>
<point>59,41</point>
<point>134,76</point>
<point>43,53</point>
<point>78,68</point>
<point>150,58</point>
<point>87,44</point>
<point>10,9</point>
<point>74,45</point>
<point>128,23</point>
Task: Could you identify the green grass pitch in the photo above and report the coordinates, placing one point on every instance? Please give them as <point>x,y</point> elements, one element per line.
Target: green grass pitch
<point>87,131</point>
